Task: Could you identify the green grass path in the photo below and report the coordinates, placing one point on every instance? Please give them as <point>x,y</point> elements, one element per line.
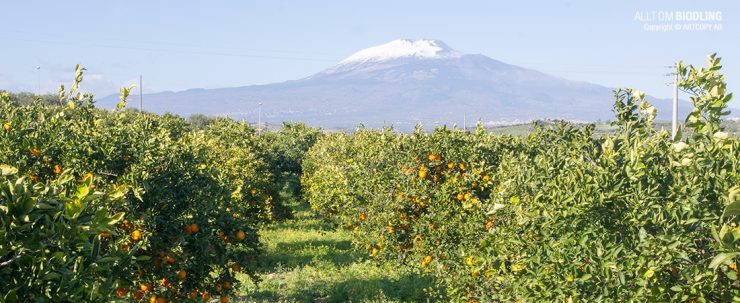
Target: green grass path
<point>308,261</point>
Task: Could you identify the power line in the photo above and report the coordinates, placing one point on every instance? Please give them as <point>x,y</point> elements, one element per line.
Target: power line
<point>76,44</point>
<point>178,44</point>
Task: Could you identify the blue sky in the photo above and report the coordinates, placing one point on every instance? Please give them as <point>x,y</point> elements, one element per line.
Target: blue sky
<point>178,45</point>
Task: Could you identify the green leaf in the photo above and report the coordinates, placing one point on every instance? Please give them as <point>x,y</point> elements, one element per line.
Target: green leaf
<point>82,191</point>
<point>116,218</point>
<point>7,170</point>
<point>496,207</point>
<point>733,209</point>
<point>721,259</point>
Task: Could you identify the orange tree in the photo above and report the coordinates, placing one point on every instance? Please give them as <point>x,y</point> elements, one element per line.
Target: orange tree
<point>182,235</point>
<point>558,215</point>
<point>285,150</point>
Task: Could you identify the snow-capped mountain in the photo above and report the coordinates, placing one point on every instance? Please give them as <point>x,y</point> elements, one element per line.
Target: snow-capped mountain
<point>405,82</point>
<point>404,48</point>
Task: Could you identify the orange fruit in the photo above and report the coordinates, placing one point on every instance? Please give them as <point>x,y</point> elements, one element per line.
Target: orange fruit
<point>182,274</point>
<point>205,296</point>
<point>35,152</point>
<point>227,285</point>
<point>161,300</point>
<point>194,228</point>
<point>57,169</point>
<point>423,172</point>
<point>427,259</point>
<point>224,299</point>
<point>145,287</point>
<point>235,267</point>
<point>241,235</point>
<point>138,296</point>
<point>192,295</point>
<point>120,292</point>
<point>6,126</point>
<point>219,287</point>
<point>362,217</point>
<point>189,230</point>
<point>136,235</point>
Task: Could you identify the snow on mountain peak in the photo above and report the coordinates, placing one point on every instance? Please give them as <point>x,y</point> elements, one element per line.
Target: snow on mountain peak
<point>404,48</point>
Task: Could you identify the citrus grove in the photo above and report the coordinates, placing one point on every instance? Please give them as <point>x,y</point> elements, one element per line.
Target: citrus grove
<point>123,205</point>
<point>560,215</point>
<point>130,206</point>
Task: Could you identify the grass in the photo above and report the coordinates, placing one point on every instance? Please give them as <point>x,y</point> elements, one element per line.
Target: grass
<point>306,260</point>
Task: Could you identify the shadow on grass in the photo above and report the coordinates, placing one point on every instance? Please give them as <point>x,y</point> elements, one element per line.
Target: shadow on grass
<point>407,288</point>
<point>309,252</point>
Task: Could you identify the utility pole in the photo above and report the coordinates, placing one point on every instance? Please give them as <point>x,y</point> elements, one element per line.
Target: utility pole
<point>465,121</point>
<point>674,124</point>
<point>259,121</point>
<point>38,74</point>
<point>141,93</point>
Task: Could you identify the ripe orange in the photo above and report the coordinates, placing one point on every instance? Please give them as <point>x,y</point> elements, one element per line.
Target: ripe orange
<point>6,126</point>
<point>189,230</point>
<point>35,152</point>
<point>227,285</point>
<point>145,287</point>
<point>219,287</point>
<point>362,217</point>
<point>192,295</point>
<point>423,172</point>
<point>120,292</point>
<point>241,235</point>
<point>374,251</point>
<point>489,225</point>
<point>462,166</point>
<point>194,228</point>
<point>235,267</point>
<point>427,259</point>
<point>57,169</point>
<point>224,299</point>
<point>450,165</point>
<point>136,235</point>
<point>434,157</point>
<point>205,296</point>
<point>182,274</point>
<point>138,296</point>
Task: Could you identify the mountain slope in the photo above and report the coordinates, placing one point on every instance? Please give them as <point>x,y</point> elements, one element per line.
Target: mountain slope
<point>405,82</point>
